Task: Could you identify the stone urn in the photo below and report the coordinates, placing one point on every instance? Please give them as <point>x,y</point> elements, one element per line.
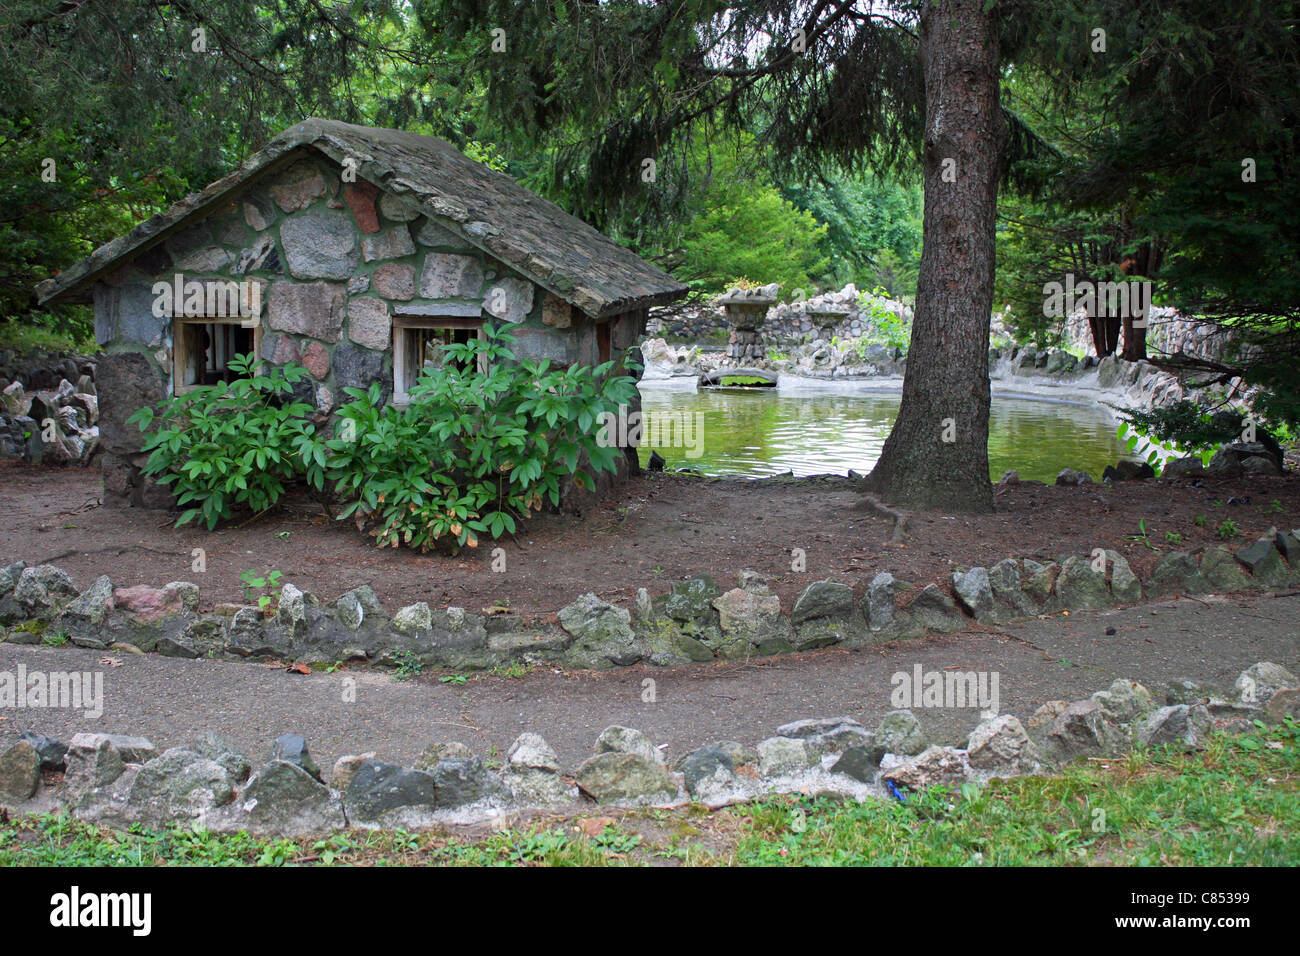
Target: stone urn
<point>746,311</point>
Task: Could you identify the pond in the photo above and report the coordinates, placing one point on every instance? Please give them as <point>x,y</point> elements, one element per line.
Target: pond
<point>757,432</point>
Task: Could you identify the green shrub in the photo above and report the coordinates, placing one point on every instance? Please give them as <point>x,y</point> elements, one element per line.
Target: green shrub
<point>232,445</point>
<point>887,326</point>
<point>472,453</point>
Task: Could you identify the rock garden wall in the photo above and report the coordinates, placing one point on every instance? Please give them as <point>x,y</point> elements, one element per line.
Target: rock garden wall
<point>698,619</point>
<point>122,781</point>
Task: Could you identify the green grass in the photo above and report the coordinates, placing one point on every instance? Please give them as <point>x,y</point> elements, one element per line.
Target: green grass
<point>1232,804</point>
<point>24,337</point>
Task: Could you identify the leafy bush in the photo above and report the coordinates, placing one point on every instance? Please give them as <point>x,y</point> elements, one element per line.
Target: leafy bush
<point>887,326</point>
<point>232,445</point>
<point>472,453</point>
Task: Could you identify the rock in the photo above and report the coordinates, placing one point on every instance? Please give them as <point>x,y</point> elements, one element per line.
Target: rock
<point>1002,745</point>
<point>413,618</point>
<point>179,785</point>
<point>935,611</point>
<point>356,367</point>
<point>390,244</point>
<point>1221,572</point>
<point>625,778</point>
<point>295,189</point>
<point>899,732</point>
<point>433,234</point>
<point>1224,464</point>
<point>1134,470</point>
<point>360,199</point>
<point>1188,692</point>
<point>434,754</point>
<point>377,789</point>
<point>1178,724</point>
<point>450,276</point>
<point>291,608</point>
<point>1257,684</point>
<point>369,324</point>
<point>692,600</point>
<point>752,617</point>
<point>131,749</point>
<point>509,299</point>
<point>51,752</point>
<point>1283,704</point>
<point>934,766</point>
<point>532,772</point>
<point>462,780</point>
<point>395,281</point>
<point>828,736</point>
<point>1039,586</point>
<point>879,601</point>
<point>42,589</point>
<point>822,599</point>
<point>625,740</point>
<point>785,755</point>
<point>859,762</point>
<point>291,748</point>
<point>602,633</point>
<point>975,592</point>
<point>213,748</point>
<point>359,607</point>
<point>1080,587</point>
<point>1176,573</point>
<point>88,611</point>
<point>97,770</point>
<point>1083,728</point>
<point>1189,467</point>
<point>1264,561</point>
<point>1125,588</point>
<point>1288,543</point>
<point>1125,700</point>
<point>314,309</point>
<point>1004,579</point>
<point>1069,476</point>
<point>705,763</point>
<point>320,245</point>
<point>282,799</point>
<point>345,769</point>
<point>20,772</point>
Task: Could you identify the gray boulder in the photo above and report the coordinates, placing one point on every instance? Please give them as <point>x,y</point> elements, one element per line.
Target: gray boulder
<point>899,732</point>
<point>975,592</point>
<point>20,772</point>
<point>625,778</point>
<point>1002,746</point>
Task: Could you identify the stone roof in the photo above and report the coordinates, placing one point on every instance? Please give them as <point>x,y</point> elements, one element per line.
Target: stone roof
<point>537,238</point>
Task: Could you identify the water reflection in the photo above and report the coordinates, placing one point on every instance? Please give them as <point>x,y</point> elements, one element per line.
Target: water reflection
<point>762,432</point>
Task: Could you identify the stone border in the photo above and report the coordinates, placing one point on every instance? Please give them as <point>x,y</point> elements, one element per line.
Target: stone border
<point>697,620</point>
<point>121,780</point>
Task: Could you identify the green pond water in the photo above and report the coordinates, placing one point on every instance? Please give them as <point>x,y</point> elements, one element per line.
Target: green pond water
<point>758,432</point>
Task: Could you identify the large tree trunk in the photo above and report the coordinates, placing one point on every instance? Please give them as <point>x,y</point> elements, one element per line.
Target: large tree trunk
<point>1135,341</point>
<point>1105,334</point>
<point>936,456</point>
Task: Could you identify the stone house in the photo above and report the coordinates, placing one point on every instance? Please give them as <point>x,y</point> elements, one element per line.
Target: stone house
<point>355,252</point>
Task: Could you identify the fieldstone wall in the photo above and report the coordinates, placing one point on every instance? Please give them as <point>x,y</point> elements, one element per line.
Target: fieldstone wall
<point>123,781</point>
<point>338,264</point>
<point>696,620</point>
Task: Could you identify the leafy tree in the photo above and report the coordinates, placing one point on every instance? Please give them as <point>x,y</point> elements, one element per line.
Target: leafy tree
<point>108,111</point>
<point>873,227</point>
<point>827,84</point>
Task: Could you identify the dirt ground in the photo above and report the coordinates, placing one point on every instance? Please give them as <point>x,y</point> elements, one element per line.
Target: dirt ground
<point>654,530</point>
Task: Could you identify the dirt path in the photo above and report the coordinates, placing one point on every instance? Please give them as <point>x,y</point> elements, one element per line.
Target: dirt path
<point>172,701</point>
<point>658,529</point>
